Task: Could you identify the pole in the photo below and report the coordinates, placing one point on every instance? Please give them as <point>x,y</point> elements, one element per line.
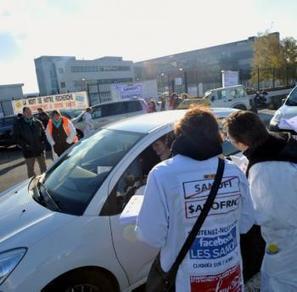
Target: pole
<point>186,81</point>
<point>258,78</point>
<point>88,93</point>
<point>98,89</point>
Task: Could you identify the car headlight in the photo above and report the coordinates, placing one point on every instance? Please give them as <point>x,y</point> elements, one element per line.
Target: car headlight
<point>276,118</point>
<point>9,261</point>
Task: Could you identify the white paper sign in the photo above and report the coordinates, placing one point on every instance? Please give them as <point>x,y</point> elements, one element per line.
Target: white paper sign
<point>131,210</point>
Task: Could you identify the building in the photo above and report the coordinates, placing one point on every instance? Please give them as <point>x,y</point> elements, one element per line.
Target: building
<point>58,74</point>
<point>199,70</point>
<point>7,94</point>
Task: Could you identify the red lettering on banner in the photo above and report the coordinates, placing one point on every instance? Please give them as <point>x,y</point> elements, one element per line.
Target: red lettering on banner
<point>228,281</point>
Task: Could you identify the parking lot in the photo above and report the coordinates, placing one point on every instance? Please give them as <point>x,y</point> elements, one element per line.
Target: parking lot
<point>13,169</point>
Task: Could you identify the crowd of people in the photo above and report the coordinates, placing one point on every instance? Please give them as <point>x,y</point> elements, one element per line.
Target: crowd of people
<point>177,188</point>
<point>40,133</point>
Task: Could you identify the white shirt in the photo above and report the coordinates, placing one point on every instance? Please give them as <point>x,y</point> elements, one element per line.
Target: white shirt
<point>273,187</point>
<point>175,193</point>
<point>89,125</point>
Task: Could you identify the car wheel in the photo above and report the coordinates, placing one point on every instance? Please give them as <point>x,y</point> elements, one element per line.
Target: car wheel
<point>240,106</point>
<point>83,281</point>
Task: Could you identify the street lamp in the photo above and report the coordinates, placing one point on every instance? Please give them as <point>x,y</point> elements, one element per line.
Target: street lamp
<point>83,84</point>
<point>185,78</point>
<point>168,81</point>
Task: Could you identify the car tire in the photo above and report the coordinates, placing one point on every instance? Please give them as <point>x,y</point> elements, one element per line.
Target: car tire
<point>240,107</point>
<point>83,280</point>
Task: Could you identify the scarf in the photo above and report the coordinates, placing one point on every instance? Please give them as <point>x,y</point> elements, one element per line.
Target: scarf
<point>58,123</point>
<point>277,147</point>
<point>29,121</point>
<point>188,147</point>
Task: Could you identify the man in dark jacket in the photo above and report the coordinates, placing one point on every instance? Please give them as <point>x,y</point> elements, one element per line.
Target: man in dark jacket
<point>30,135</point>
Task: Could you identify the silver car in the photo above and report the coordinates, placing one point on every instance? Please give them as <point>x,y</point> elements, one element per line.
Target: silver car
<point>106,113</point>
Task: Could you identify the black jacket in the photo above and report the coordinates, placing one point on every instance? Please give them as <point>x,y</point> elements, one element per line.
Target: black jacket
<point>278,147</point>
<point>31,137</point>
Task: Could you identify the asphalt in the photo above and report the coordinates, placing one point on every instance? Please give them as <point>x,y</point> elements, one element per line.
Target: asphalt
<point>13,168</point>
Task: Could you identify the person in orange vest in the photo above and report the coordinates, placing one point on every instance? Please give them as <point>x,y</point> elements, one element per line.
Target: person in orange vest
<point>60,133</point>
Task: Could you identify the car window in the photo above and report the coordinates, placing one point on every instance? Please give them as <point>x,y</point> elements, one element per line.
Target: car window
<point>113,109</point>
<point>292,100</point>
<point>96,113</point>
<point>131,181</point>
<point>77,176</point>
<point>133,106</point>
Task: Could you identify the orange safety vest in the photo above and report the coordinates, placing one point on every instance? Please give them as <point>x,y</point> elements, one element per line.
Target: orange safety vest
<point>65,123</point>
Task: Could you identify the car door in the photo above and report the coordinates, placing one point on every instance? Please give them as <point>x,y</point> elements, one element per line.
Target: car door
<point>218,98</point>
<point>134,256</point>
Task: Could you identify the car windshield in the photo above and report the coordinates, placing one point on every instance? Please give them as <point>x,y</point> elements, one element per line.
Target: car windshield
<point>75,178</point>
<point>292,100</point>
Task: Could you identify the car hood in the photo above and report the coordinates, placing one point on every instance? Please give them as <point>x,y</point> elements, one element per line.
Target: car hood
<point>23,220</point>
<point>288,112</point>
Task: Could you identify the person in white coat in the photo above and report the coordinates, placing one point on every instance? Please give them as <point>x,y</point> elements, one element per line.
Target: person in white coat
<point>176,191</point>
<point>89,124</point>
<point>272,173</point>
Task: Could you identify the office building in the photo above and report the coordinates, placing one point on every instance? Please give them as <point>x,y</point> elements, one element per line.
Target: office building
<point>199,69</point>
<point>58,74</point>
<point>8,93</point>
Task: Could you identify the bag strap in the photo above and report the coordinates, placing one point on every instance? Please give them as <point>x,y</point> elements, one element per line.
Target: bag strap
<point>197,226</point>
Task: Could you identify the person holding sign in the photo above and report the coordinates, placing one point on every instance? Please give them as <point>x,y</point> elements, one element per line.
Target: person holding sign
<point>60,133</point>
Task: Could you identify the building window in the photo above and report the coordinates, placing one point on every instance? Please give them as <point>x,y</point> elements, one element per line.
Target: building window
<point>61,70</point>
<point>79,69</point>
<point>63,85</point>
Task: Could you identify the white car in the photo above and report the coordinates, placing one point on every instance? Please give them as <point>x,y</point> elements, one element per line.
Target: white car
<point>287,111</point>
<point>61,231</point>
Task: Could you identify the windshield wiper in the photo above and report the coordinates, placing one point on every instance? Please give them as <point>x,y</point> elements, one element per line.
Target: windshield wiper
<point>46,197</point>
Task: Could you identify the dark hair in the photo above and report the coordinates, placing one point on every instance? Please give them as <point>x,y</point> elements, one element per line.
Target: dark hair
<point>167,139</point>
<point>247,128</point>
<point>201,127</point>
<point>55,112</point>
<point>25,108</point>
<point>88,109</point>
<point>40,109</point>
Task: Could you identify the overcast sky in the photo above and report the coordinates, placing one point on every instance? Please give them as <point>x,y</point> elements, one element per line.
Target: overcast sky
<point>134,29</point>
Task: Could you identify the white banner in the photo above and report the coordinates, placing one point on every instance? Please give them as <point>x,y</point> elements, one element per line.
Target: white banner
<point>71,100</point>
<point>230,78</point>
<point>129,91</point>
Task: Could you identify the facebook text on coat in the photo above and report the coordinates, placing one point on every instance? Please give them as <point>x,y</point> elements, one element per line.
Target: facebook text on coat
<point>214,247</point>
<point>198,188</point>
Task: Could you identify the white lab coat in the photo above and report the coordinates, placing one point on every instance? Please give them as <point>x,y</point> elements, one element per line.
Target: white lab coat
<point>89,125</point>
<point>274,194</point>
<point>176,190</point>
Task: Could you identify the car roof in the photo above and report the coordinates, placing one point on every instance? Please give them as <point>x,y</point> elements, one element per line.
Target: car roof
<point>149,122</point>
<point>226,87</point>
